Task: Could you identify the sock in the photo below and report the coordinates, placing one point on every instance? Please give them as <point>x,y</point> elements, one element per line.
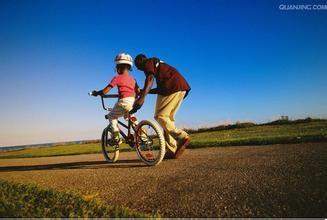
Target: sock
<point>115,134</point>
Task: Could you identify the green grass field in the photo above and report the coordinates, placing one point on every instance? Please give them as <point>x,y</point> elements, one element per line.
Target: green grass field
<point>263,134</point>
<point>254,135</point>
<point>29,201</point>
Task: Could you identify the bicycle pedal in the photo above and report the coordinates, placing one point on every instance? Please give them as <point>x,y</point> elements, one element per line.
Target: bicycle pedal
<point>115,142</point>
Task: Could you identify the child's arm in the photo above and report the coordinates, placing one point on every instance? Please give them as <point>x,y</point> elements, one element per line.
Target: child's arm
<point>111,85</point>
<point>106,89</point>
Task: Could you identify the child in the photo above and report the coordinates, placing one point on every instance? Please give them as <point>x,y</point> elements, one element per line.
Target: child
<point>127,90</point>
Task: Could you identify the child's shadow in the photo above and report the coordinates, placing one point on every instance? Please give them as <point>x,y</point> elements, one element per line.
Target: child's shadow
<point>77,165</point>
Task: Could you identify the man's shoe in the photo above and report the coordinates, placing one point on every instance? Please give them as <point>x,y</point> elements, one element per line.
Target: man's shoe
<point>169,155</point>
<point>181,148</point>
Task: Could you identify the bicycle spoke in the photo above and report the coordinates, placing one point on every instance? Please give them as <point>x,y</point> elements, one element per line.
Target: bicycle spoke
<point>149,147</point>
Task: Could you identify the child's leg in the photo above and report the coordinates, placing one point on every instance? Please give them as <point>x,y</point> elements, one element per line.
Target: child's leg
<point>113,116</point>
<point>121,108</point>
<point>114,124</point>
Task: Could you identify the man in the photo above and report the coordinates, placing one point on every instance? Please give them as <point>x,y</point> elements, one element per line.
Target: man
<point>172,88</point>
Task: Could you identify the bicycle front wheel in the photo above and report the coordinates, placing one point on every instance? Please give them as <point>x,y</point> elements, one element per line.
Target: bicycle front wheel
<point>110,152</point>
<point>150,142</point>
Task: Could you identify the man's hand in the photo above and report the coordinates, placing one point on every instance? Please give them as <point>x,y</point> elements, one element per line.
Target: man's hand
<point>147,86</point>
<point>137,105</point>
<point>153,91</point>
<point>140,101</point>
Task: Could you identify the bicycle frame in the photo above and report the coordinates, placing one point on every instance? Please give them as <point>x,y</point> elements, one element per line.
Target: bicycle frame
<point>128,138</point>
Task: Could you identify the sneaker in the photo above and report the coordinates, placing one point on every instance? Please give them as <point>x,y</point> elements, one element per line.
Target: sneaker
<point>115,140</point>
<point>182,146</point>
<point>145,141</point>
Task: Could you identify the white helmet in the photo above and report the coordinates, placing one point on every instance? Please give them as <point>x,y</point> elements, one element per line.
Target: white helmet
<point>124,58</point>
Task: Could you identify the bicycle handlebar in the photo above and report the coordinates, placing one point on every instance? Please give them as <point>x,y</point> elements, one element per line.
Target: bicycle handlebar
<point>103,106</point>
<point>105,96</point>
<point>110,96</point>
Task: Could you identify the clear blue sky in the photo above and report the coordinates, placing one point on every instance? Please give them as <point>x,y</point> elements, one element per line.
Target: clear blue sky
<point>245,60</point>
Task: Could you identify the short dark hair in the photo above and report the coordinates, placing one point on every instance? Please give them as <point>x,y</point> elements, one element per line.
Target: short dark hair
<point>123,66</point>
<point>139,60</point>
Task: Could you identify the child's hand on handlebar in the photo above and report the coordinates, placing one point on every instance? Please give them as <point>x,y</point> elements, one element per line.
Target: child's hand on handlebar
<point>96,93</point>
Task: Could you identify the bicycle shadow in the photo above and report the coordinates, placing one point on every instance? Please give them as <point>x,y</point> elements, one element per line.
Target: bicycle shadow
<point>77,165</point>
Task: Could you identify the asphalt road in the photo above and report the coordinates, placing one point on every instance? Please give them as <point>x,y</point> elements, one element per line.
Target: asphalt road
<point>248,181</point>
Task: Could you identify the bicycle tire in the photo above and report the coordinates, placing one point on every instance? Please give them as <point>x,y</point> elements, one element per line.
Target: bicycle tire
<point>104,145</point>
<point>161,143</point>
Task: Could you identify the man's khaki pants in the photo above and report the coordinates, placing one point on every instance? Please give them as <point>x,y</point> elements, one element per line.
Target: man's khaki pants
<point>166,108</point>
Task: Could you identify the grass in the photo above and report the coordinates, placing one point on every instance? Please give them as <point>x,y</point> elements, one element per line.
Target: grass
<point>310,131</point>
<point>72,149</point>
<point>29,201</point>
<point>263,134</point>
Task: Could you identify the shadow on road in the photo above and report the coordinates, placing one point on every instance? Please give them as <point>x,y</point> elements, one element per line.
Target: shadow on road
<point>77,165</point>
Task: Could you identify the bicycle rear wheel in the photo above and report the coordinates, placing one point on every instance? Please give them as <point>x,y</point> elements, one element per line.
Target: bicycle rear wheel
<point>150,142</point>
<point>110,152</point>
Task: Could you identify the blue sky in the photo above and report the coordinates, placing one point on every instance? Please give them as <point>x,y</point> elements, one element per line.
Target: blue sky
<point>245,60</point>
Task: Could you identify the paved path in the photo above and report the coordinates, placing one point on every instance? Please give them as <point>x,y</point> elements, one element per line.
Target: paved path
<point>249,181</point>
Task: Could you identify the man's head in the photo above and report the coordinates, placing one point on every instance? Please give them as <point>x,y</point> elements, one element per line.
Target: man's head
<point>140,61</point>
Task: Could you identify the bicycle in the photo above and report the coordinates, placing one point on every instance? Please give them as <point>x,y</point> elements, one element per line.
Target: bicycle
<point>145,137</point>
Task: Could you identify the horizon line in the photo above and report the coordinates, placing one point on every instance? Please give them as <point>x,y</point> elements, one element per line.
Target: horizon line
<point>67,142</point>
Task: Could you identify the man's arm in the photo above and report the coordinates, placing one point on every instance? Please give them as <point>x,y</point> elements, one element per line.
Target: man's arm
<point>137,89</point>
<point>152,91</point>
<point>147,85</point>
